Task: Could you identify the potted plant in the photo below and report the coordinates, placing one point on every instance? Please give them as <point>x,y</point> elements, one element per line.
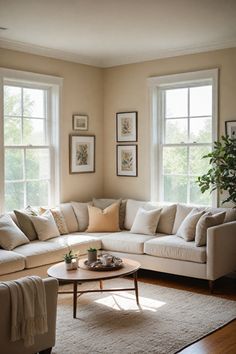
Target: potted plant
<point>68,259</point>
<point>92,255</point>
<point>222,173</point>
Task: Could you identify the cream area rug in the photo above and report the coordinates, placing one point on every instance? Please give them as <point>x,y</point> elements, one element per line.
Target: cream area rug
<point>166,321</point>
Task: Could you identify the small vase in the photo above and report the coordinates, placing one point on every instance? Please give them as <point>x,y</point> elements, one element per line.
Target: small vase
<point>92,256</point>
<point>68,265</point>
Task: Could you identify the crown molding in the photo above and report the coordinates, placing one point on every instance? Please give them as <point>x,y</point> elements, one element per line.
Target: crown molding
<point>117,61</point>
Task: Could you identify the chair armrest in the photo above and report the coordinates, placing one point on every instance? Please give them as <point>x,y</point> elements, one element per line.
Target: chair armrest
<point>221,250</point>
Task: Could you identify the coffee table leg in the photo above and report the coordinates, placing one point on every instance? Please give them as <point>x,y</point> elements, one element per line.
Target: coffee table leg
<point>135,275</point>
<point>74,299</point>
<point>101,284</point>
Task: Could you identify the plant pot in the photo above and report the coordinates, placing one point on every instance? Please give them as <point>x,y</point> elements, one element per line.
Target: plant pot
<point>92,256</point>
<point>68,265</point>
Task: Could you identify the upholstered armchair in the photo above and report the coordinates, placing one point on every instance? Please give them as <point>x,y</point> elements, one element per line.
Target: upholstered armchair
<point>44,342</point>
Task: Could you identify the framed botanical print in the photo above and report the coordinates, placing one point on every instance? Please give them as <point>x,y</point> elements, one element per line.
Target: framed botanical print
<point>82,153</point>
<point>126,126</point>
<point>80,122</point>
<point>127,160</point>
<point>230,128</point>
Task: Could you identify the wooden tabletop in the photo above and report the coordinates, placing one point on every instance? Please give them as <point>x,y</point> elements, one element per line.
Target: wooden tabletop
<point>59,271</point>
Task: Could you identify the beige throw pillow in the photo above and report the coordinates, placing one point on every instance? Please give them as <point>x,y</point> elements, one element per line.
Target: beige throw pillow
<point>146,221</point>
<point>167,219</point>
<point>187,228</point>
<point>106,220</point>
<point>104,203</point>
<point>10,235</point>
<point>59,219</point>
<point>81,213</point>
<point>207,220</point>
<point>45,226</point>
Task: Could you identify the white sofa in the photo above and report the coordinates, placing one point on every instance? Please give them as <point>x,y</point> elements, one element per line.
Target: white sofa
<point>164,252</point>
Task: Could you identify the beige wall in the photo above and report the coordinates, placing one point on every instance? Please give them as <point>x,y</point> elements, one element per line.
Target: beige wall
<point>125,89</point>
<point>82,93</point>
<point>97,91</point>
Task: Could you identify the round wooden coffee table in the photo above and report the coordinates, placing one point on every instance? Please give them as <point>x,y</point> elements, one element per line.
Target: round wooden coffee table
<point>82,275</point>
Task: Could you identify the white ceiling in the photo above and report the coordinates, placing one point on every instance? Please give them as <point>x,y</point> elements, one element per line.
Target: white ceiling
<point>112,32</point>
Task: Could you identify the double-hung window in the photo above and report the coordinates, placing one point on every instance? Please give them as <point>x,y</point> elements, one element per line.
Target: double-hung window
<point>184,128</point>
<point>29,144</point>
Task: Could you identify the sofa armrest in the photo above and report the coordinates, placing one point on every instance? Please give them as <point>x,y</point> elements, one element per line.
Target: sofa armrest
<point>221,250</point>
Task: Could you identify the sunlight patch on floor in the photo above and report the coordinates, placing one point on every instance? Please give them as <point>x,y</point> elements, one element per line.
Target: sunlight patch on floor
<point>124,301</point>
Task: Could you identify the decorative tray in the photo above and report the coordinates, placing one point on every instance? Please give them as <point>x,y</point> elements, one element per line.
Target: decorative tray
<point>98,266</point>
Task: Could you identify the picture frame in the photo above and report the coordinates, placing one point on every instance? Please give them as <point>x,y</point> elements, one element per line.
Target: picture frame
<point>230,128</point>
<point>80,122</point>
<point>82,153</point>
<point>127,160</point>
<point>127,126</point>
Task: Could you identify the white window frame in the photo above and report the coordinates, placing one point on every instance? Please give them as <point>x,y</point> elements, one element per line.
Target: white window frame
<point>53,85</point>
<point>155,87</point>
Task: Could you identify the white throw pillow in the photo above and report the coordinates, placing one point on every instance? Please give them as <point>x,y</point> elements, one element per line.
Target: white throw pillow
<point>10,235</point>
<point>146,221</point>
<point>45,226</point>
<point>81,213</point>
<point>187,228</point>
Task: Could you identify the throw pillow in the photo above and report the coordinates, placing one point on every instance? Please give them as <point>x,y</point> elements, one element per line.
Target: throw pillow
<point>187,228</point>
<point>207,220</point>
<point>106,220</point>
<point>146,221</point>
<point>81,213</point>
<point>45,226</point>
<point>10,235</point>
<point>167,219</point>
<point>25,223</point>
<point>59,219</point>
<point>132,207</point>
<point>104,203</point>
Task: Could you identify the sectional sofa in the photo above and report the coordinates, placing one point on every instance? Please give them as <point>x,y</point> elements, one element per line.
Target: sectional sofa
<point>164,251</point>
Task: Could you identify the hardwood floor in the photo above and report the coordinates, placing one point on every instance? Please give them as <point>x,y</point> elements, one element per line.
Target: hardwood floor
<point>222,341</point>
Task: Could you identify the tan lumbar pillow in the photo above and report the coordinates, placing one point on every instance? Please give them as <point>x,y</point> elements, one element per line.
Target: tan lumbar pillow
<point>10,235</point>
<point>146,221</point>
<point>106,220</point>
<point>187,228</point>
<point>207,220</point>
<point>45,226</point>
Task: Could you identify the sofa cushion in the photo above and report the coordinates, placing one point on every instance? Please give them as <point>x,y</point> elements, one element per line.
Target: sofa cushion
<point>104,203</point>
<point>70,218</point>
<point>125,242</point>
<point>81,213</point>
<point>45,226</point>
<point>106,220</point>
<point>187,228</point>
<point>10,235</point>
<point>132,207</point>
<point>175,247</point>
<point>146,221</point>
<point>206,221</point>
<point>39,253</point>
<point>10,262</point>
<point>230,213</point>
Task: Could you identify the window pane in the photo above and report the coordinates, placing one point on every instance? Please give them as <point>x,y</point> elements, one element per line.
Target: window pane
<point>176,103</point>
<point>33,103</point>
<point>12,131</point>
<point>37,164</point>
<point>196,197</point>
<point>175,189</point>
<point>175,160</point>
<point>200,130</point>
<point>13,164</point>
<point>37,193</point>
<point>201,101</point>
<point>176,131</point>
<point>198,166</point>
<point>14,196</point>
<point>12,101</point>
<point>33,132</point>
